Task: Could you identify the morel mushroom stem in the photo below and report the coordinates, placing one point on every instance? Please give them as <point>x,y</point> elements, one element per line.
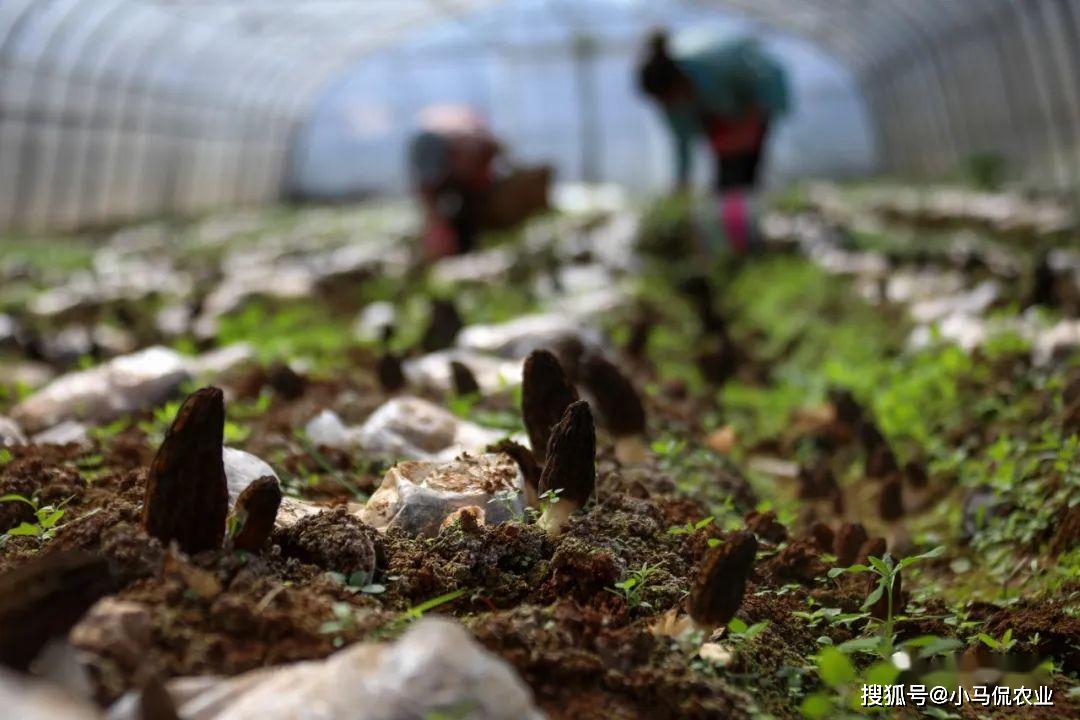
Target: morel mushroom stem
<point>570,472</point>
<point>187,495</point>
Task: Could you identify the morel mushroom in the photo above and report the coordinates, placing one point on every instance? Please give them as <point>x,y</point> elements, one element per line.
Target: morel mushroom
<point>619,404</point>
<point>255,512</point>
<point>463,379</point>
<point>721,579</point>
<point>390,373</point>
<point>546,393</point>
<point>187,494</point>
<point>443,326</point>
<point>569,477</point>
<point>891,500</point>
<point>849,539</point>
<point>526,461</point>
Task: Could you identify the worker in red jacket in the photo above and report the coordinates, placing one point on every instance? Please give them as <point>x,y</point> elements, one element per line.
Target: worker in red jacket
<point>451,159</point>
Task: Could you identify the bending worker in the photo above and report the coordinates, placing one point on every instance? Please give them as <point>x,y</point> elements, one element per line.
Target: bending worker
<point>451,159</point>
<point>728,93</point>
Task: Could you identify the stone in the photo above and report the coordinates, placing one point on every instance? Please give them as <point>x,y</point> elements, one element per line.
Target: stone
<point>242,469</point>
<point>66,433</point>
<point>120,386</point>
<point>416,496</point>
<point>119,629</point>
<point>10,432</point>
<point>436,669</point>
<point>411,428</point>
<point>221,361</point>
<point>327,430</point>
<point>374,320</point>
<point>432,372</point>
<point>25,698</point>
<point>516,338</point>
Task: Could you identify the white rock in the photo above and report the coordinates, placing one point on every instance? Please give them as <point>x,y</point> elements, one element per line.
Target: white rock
<point>25,698</point>
<point>517,338</point>
<point>1064,336</point>
<point>122,385</point>
<point>479,267</point>
<point>65,433</point>
<point>411,428</point>
<point>220,361</point>
<point>416,496</point>
<point>373,319</point>
<point>436,669</point>
<point>432,371</point>
<point>327,429</point>
<point>10,432</point>
<point>974,302</point>
<point>120,628</point>
<point>242,469</point>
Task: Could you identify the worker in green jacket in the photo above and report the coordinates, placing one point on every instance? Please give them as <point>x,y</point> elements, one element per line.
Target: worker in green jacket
<point>728,93</point>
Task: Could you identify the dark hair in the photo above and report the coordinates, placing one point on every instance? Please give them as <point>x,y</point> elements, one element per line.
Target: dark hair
<point>658,74</point>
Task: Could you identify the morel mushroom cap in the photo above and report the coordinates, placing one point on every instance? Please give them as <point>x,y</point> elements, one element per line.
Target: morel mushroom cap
<point>546,393</point>
<point>721,579</point>
<point>390,373</point>
<point>618,401</point>
<point>443,326</point>
<point>570,471</point>
<point>464,381</point>
<point>849,538</point>
<point>187,494</point>
<point>891,500</point>
<point>255,513</point>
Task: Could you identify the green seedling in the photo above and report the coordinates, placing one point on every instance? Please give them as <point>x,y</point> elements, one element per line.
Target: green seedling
<point>690,527</point>
<point>887,571</point>
<point>1002,645</point>
<point>46,519</point>
<point>632,588</point>
<point>417,611</point>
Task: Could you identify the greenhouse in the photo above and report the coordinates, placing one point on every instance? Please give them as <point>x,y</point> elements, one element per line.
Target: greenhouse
<point>506,359</point>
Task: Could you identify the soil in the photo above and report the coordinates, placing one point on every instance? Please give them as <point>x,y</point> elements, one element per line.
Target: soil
<point>551,606</point>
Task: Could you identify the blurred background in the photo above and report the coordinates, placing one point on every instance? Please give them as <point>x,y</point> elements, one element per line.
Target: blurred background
<point>113,110</point>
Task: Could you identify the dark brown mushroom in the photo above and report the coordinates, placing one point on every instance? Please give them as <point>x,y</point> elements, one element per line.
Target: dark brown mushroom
<point>720,584</point>
<point>285,381</point>
<point>526,461</point>
<point>874,547</point>
<point>766,526</point>
<point>443,326</point>
<point>849,538</point>
<point>390,373</point>
<point>619,404</point>
<point>255,512</point>
<point>546,393</point>
<point>891,499</point>
<point>187,496</point>
<point>915,474</point>
<point>570,472</point>
<point>823,536</point>
<point>463,379</point>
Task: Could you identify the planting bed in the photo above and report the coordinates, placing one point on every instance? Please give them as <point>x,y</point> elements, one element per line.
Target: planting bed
<point>890,385</point>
